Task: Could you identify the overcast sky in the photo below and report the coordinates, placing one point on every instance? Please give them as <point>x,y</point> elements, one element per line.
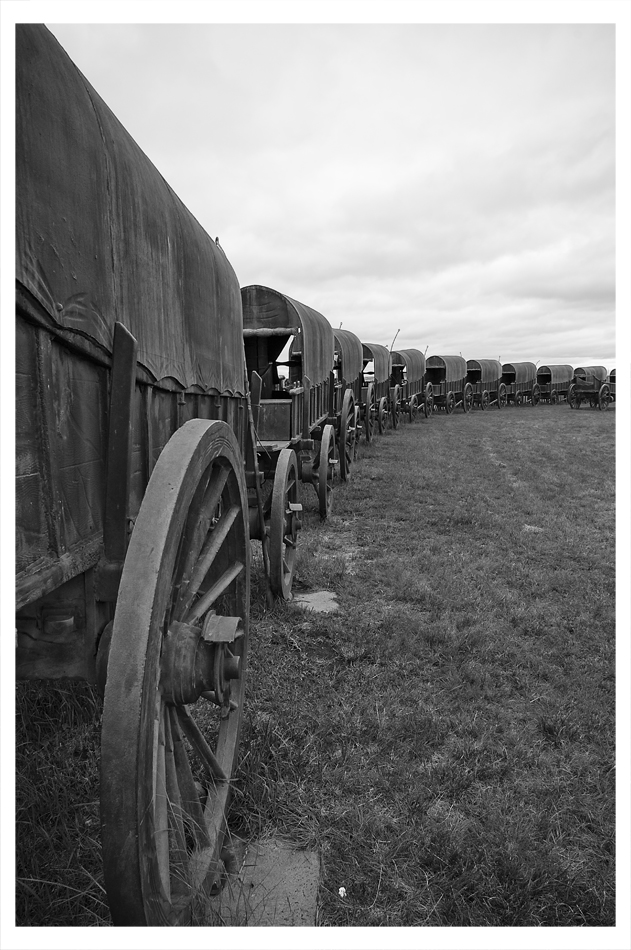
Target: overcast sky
<point>456,183</point>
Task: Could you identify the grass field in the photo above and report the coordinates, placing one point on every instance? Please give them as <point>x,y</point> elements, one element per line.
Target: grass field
<point>446,741</point>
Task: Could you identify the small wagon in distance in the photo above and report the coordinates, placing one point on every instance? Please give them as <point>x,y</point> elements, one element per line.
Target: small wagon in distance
<point>347,397</point>
<point>612,386</point>
<point>521,384</point>
<point>589,385</point>
<point>407,383</point>
<point>447,383</point>
<point>554,382</point>
<point>291,419</point>
<point>485,377</point>
<point>377,384</point>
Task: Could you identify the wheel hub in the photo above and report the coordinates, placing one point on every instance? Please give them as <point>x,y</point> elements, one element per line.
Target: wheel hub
<point>199,661</point>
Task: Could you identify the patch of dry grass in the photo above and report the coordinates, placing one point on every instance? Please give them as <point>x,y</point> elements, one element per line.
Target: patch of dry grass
<point>446,740</point>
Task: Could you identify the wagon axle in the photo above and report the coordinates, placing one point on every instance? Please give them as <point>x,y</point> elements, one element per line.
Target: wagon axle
<point>197,661</point>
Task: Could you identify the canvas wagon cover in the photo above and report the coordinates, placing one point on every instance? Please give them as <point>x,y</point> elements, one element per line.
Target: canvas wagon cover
<point>555,373</point>
<point>264,308</point>
<point>455,366</point>
<point>414,362</point>
<point>520,372</point>
<point>490,370</point>
<point>350,349</point>
<point>101,237</point>
<point>598,371</point>
<point>380,355</point>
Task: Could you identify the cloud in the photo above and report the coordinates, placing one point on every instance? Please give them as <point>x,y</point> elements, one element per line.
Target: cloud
<point>458,178</point>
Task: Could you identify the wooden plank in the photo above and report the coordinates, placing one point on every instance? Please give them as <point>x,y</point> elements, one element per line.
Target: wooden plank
<point>271,331</point>
<point>119,444</point>
<point>45,575</point>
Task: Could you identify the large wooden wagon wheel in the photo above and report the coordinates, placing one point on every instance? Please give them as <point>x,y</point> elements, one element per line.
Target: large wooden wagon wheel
<point>450,403</point>
<point>536,394</point>
<point>502,397</point>
<point>348,435</point>
<point>467,397</point>
<point>395,408</point>
<point>572,397</point>
<point>382,415</point>
<point>413,408</point>
<point>428,401</point>
<point>603,397</point>
<point>370,411</point>
<point>285,522</point>
<point>325,471</point>
<point>518,398</point>
<point>175,681</point>
<point>484,400</point>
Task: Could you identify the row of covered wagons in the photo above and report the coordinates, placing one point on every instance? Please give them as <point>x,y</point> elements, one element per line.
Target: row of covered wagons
<point>155,439</point>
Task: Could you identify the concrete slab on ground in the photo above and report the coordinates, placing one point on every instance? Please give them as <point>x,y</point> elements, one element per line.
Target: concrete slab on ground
<point>277,886</point>
<point>320,601</point>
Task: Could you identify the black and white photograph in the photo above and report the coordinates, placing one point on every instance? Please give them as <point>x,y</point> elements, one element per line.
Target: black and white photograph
<point>315,481</point>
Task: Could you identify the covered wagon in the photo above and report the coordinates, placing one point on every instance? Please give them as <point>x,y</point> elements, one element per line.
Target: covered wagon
<point>554,381</point>
<point>346,416</point>
<point>291,415</point>
<point>612,385</point>
<point>132,511</point>
<point>377,369</point>
<point>521,384</point>
<point>589,385</point>
<point>408,374</point>
<point>485,377</point>
<point>447,383</point>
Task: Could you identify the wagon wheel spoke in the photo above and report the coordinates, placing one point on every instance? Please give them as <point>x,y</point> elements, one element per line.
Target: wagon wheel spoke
<point>176,857</point>
<point>284,524</point>
<point>192,811</point>
<point>204,604</point>
<point>206,756</point>
<point>326,468</point>
<point>347,435</point>
<point>202,509</point>
<point>208,553</point>
<point>369,410</point>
